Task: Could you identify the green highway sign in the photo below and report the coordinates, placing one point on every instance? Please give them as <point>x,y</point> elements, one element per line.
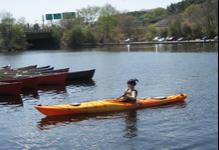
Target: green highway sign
<point>49,17</point>
<point>69,15</point>
<point>57,16</point>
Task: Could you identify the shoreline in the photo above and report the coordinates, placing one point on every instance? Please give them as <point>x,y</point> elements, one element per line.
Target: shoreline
<point>165,42</point>
<point>123,44</point>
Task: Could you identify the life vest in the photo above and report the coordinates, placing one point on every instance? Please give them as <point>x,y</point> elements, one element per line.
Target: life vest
<point>129,92</point>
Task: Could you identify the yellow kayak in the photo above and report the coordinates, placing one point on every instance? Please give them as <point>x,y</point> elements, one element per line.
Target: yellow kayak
<point>112,105</point>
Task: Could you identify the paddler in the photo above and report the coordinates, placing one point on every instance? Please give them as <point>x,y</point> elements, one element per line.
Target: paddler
<point>131,94</point>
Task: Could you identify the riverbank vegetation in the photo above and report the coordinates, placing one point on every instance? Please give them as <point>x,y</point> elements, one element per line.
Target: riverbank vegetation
<point>189,19</point>
<point>12,33</point>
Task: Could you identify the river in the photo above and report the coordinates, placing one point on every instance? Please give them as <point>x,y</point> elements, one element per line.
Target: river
<point>161,69</point>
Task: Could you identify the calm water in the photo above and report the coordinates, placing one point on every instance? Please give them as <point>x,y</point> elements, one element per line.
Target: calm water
<point>162,70</point>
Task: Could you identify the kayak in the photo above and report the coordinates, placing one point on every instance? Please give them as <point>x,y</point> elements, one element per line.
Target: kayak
<point>103,106</point>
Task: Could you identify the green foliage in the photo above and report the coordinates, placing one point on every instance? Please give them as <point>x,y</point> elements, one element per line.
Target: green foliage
<point>186,31</point>
<point>197,20</point>
<point>107,23</point>
<point>90,38</point>
<point>89,15</point>
<point>127,25</point>
<point>181,6</point>
<point>163,32</point>
<point>78,36</point>
<point>12,34</point>
<point>155,15</point>
<point>175,28</point>
<point>151,32</point>
<point>106,27</point>
<point>108,10</point>
<point>57,33</point>
<point>74,37</point>
<point>196,31</point>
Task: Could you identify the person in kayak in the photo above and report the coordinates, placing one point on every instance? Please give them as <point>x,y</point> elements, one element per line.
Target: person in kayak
<point>131,94</point>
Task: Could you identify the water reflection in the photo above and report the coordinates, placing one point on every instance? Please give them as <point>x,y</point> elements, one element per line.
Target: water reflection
<point>81,83</point>
<point>131,129</point>
<point>129,116</point>
<point>178,105</point>
<point>33,93</point>
<point>199,47</point>
<point>57,89</point>
<point>11,100</point>
<point>128,47</point>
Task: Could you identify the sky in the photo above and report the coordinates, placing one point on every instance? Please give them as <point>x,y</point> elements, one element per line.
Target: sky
<point>33,10</point>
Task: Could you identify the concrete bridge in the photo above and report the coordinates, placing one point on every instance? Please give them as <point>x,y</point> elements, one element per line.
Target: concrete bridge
<point>41,39</point>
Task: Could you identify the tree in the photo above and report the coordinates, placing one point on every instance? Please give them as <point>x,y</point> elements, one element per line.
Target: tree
<point>187,31</point>
<point>107,23</point>
<point>108,10</point>
<point>163,32</point>
<point>210,8</point>
<point>36,27</point>
<point>203,18</point>
<point>155,15</point>
<point>197,31</point>
<point>73,38</point>
<point>89,15</point>
<point>181,6</point>
<point>90,37</point>
<point>175,28</point>
<point>151,32</point>
<point>12,34</point>
<point>127,25</point>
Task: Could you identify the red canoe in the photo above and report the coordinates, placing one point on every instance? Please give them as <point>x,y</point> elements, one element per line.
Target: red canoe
<point>10,88</point>
<point>52,79</point>
<point>26,82</point>
<point>29,82</point>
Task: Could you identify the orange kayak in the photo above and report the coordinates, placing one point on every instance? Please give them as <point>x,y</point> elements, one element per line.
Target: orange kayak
<point>103,106</point>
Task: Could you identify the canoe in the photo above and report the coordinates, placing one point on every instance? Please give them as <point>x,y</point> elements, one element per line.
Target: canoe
<point>44,67</point>
<point>56,71</point>
<point>104,106</point>
<point>29,82</point>
<point>27,68</point>
<point>6,67</point>
<point>82,75</point>
<point>27,72</point>
<point>52,79</point>
<point>31,67</point>
<point>10,88</point>
<point>32,79</point>
<point>26,81</point>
